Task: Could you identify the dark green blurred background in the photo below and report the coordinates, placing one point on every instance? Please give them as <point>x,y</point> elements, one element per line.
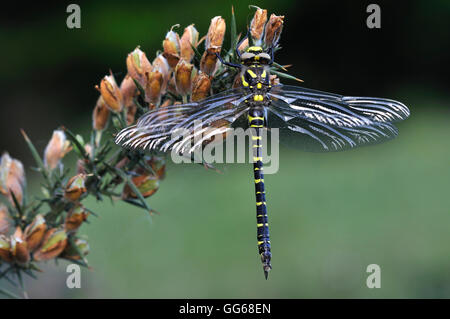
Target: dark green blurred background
<point>331,215</point>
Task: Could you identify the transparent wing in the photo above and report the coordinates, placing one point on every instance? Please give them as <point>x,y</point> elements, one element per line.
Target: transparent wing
<point>333,109</point>
<point>320,122</point>
<point>186,127</point>
<point>313,136</point>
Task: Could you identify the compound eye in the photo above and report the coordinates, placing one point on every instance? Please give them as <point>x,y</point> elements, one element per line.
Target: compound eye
<point>247,55</point>
<point>264,56</point>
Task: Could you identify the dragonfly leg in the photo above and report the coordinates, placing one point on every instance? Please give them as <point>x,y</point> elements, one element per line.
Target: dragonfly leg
<point>233,65</point>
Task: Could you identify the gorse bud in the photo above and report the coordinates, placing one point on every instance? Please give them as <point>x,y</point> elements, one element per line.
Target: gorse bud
<point>34,233</point>
<point>138,66</point>
<point>128,89</point>
<point>257,26</point>
<point>129,92</point>
<point>5,220</point>
<point>209,61</point>
<point>5,249</point>
<point>146,184</point>
<point>76,216</point>
<point>201,86</point>
<point>111,93</point>
<point>56,149</point>
<point>188,40</point>
<point>154,87</point>
<point>12,178</point>
<point>216,34</point>
<point>53,244</point>
<point>273,30</point>
<point>100,115</point>
<point>70,252</point>
<point>213,45</point>
<point>161,65</point>
<point>19,248</point>
<point>172,47</point>
<point>183,77</point>
<point>75,188</point>
<point>244,45</point>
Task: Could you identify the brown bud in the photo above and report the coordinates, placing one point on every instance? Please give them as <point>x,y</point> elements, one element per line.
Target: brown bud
<point>208,61</point>
<point>257,26</point>
<point>5,220</point>
<point>56,149</point>
<point>70,252</point>
<point>153,90</point>
<point>54,242</point>
<point>19,247</point>
<point>161,65</point>
<point>129,90</point>
<point>183,77</point>
<point>100,116</point>
<point>5,249</point>
<point>188,40</point>
<point>76,216</point>
<point>111,93</point>
<point>201,86</point>
<point>171,86</point>
<point>172,46</point>
<point>146,184</point>
<point>216,33</point>
<point>12,178</point>
<point>138,66</point>
<point>244,45</point>
<point>75,187</point>
<point>273,30</point>
<point>34,233</point>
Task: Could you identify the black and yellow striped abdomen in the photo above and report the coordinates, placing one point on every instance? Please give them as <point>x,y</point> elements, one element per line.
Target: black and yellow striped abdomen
<point>256,123</point>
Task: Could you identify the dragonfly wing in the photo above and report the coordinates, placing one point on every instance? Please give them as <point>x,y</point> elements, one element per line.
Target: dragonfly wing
<point>337,110</point>
<point>185,127</point>
<point>315,136</point>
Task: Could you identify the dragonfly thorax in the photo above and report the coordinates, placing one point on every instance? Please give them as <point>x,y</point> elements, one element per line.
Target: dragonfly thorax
<point>256,78</point>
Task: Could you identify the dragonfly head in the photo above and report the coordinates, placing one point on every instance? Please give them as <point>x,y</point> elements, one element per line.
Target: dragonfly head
<point>255,55</point>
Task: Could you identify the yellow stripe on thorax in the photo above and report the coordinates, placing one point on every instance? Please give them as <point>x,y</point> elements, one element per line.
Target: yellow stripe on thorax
<point>252,74</point>
<point>244,83</point>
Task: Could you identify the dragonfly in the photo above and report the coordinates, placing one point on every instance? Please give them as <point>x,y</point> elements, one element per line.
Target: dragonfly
<point>307,119</point>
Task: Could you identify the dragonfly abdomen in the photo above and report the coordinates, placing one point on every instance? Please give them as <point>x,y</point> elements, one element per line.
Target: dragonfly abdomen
<point>256,123</point>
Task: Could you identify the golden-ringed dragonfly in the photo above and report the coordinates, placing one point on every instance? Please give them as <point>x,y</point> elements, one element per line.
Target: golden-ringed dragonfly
<point>307,119</point>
